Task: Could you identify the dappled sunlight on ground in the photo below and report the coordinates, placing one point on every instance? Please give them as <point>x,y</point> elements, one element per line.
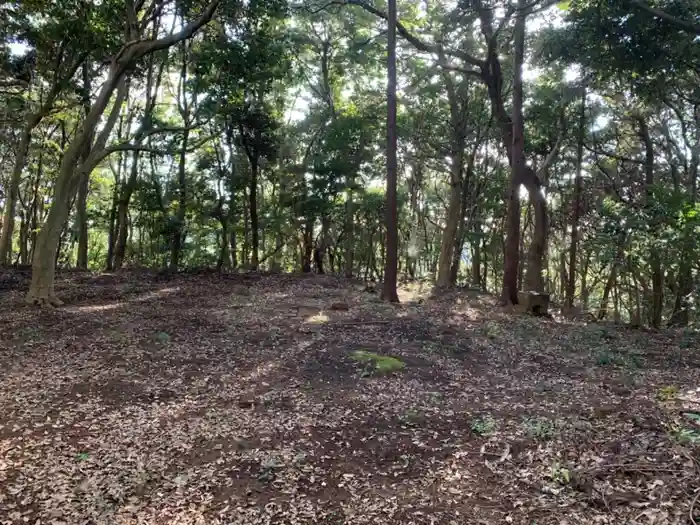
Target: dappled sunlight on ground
<point>240,399</point>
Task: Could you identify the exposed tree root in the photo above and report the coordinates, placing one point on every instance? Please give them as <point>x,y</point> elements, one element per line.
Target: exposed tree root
<point>44,301</point>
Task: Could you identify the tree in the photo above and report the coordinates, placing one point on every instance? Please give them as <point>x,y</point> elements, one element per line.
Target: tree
<point>71,171</point>
<point>392,237</point>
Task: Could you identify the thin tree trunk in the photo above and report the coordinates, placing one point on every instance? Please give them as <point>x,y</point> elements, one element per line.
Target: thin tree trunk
<point>8,220</point>
<point>349,231</point>
<point>571,286</point>
<point>509,293</point>
<point>657,274</point>
<point>83,189</point>
<point>450,231</point>
<point>253,206</point>
<point>24,238</point>
<point>389,292</point>
<point>178,227</point>
<point>534,281</point>
<point>602,311</point>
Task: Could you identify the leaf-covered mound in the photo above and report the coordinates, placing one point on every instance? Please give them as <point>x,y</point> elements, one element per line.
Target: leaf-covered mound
<point>247,399</point>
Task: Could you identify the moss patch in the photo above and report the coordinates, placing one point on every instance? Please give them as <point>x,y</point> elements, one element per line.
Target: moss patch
<point>376,363</point>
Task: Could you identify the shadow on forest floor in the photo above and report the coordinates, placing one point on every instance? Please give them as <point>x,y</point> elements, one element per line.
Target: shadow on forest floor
<point>238,398</point>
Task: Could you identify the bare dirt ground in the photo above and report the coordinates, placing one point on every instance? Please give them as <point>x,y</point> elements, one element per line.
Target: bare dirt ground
<point>237,399</point>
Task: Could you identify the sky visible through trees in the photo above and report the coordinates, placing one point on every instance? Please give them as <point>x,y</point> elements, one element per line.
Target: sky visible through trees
<point>349,261</point>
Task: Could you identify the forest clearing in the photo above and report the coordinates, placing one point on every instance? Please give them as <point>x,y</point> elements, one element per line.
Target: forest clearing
<point>199,197</point>
<point>249,398</point>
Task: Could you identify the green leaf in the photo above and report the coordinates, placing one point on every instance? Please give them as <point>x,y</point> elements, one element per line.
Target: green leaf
<point>565,5</point>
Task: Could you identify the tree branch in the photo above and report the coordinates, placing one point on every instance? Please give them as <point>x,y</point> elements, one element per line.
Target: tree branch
<point>686,26</point>
<point>419,44</point>
<point>139,48</point>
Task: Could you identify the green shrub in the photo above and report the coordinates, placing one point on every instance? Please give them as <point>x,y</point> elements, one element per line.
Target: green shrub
<point>483,426</point>
<point>540,428</point>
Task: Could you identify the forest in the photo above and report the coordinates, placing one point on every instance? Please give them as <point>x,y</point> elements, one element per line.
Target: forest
<point>540,146</point>
<point>271,261</point>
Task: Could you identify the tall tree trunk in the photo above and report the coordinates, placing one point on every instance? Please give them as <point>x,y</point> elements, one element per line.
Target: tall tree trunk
<point>84,187</point>
<point>563,275</point>
<point>82,260</point>
<point>349,231</point>
<point>476,256</point>
<point>681,306</point>
<point>509,293</point>
<point>253,207</point>
<point>8,221</point>
<point>37,207</point>
<point>571,285</point>
<point>657,274</point>
<point>122,215</point>
<point>112,230</point>
<point>178,227</point>
<point>23,238</point>
<point>389,292</point>
<point>462,228</point>
<point>584,283</point>
<point>308,246</point>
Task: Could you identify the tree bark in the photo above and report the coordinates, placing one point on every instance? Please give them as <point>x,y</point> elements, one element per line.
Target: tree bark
<point>349,231</point>
<point>389,292</point>
<point>450,231</point>
<point>8,220</point>
<point>534,281</point>
<point>253,207</point>
<point>657,274</point>
<point>571,285</point>
<point>509,294</point>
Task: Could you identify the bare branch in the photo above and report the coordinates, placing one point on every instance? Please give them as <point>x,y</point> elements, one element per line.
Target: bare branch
<point>139,48</point>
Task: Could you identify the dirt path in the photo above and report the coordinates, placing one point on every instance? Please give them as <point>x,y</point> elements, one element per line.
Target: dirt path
<point>238,399</point>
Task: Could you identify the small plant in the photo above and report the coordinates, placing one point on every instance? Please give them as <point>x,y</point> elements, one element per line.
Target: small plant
<point>540,428</point>
<point>690,338</point>
<point>376,363</point>
<point>597,332</point>
<point>608,358</point>
<point>667,393</point>
<point>483,426</point>
<point>431,347</point>
<point>83,456</point>
<point>267,469</point>
<point>163,337</point>
<point>492,331</point>
<point>604,358</point>
<point>686,436</point>
<point>560,474</point>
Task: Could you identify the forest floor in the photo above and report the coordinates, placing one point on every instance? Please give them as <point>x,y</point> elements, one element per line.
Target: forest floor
<point>207,399</point>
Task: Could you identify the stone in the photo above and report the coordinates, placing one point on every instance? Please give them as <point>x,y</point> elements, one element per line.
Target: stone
<point>534,303</point>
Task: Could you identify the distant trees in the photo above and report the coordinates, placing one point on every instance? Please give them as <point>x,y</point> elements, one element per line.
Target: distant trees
<point>504,154</point>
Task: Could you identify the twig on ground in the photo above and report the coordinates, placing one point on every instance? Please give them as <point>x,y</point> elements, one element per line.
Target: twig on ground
<point>691,512</point>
